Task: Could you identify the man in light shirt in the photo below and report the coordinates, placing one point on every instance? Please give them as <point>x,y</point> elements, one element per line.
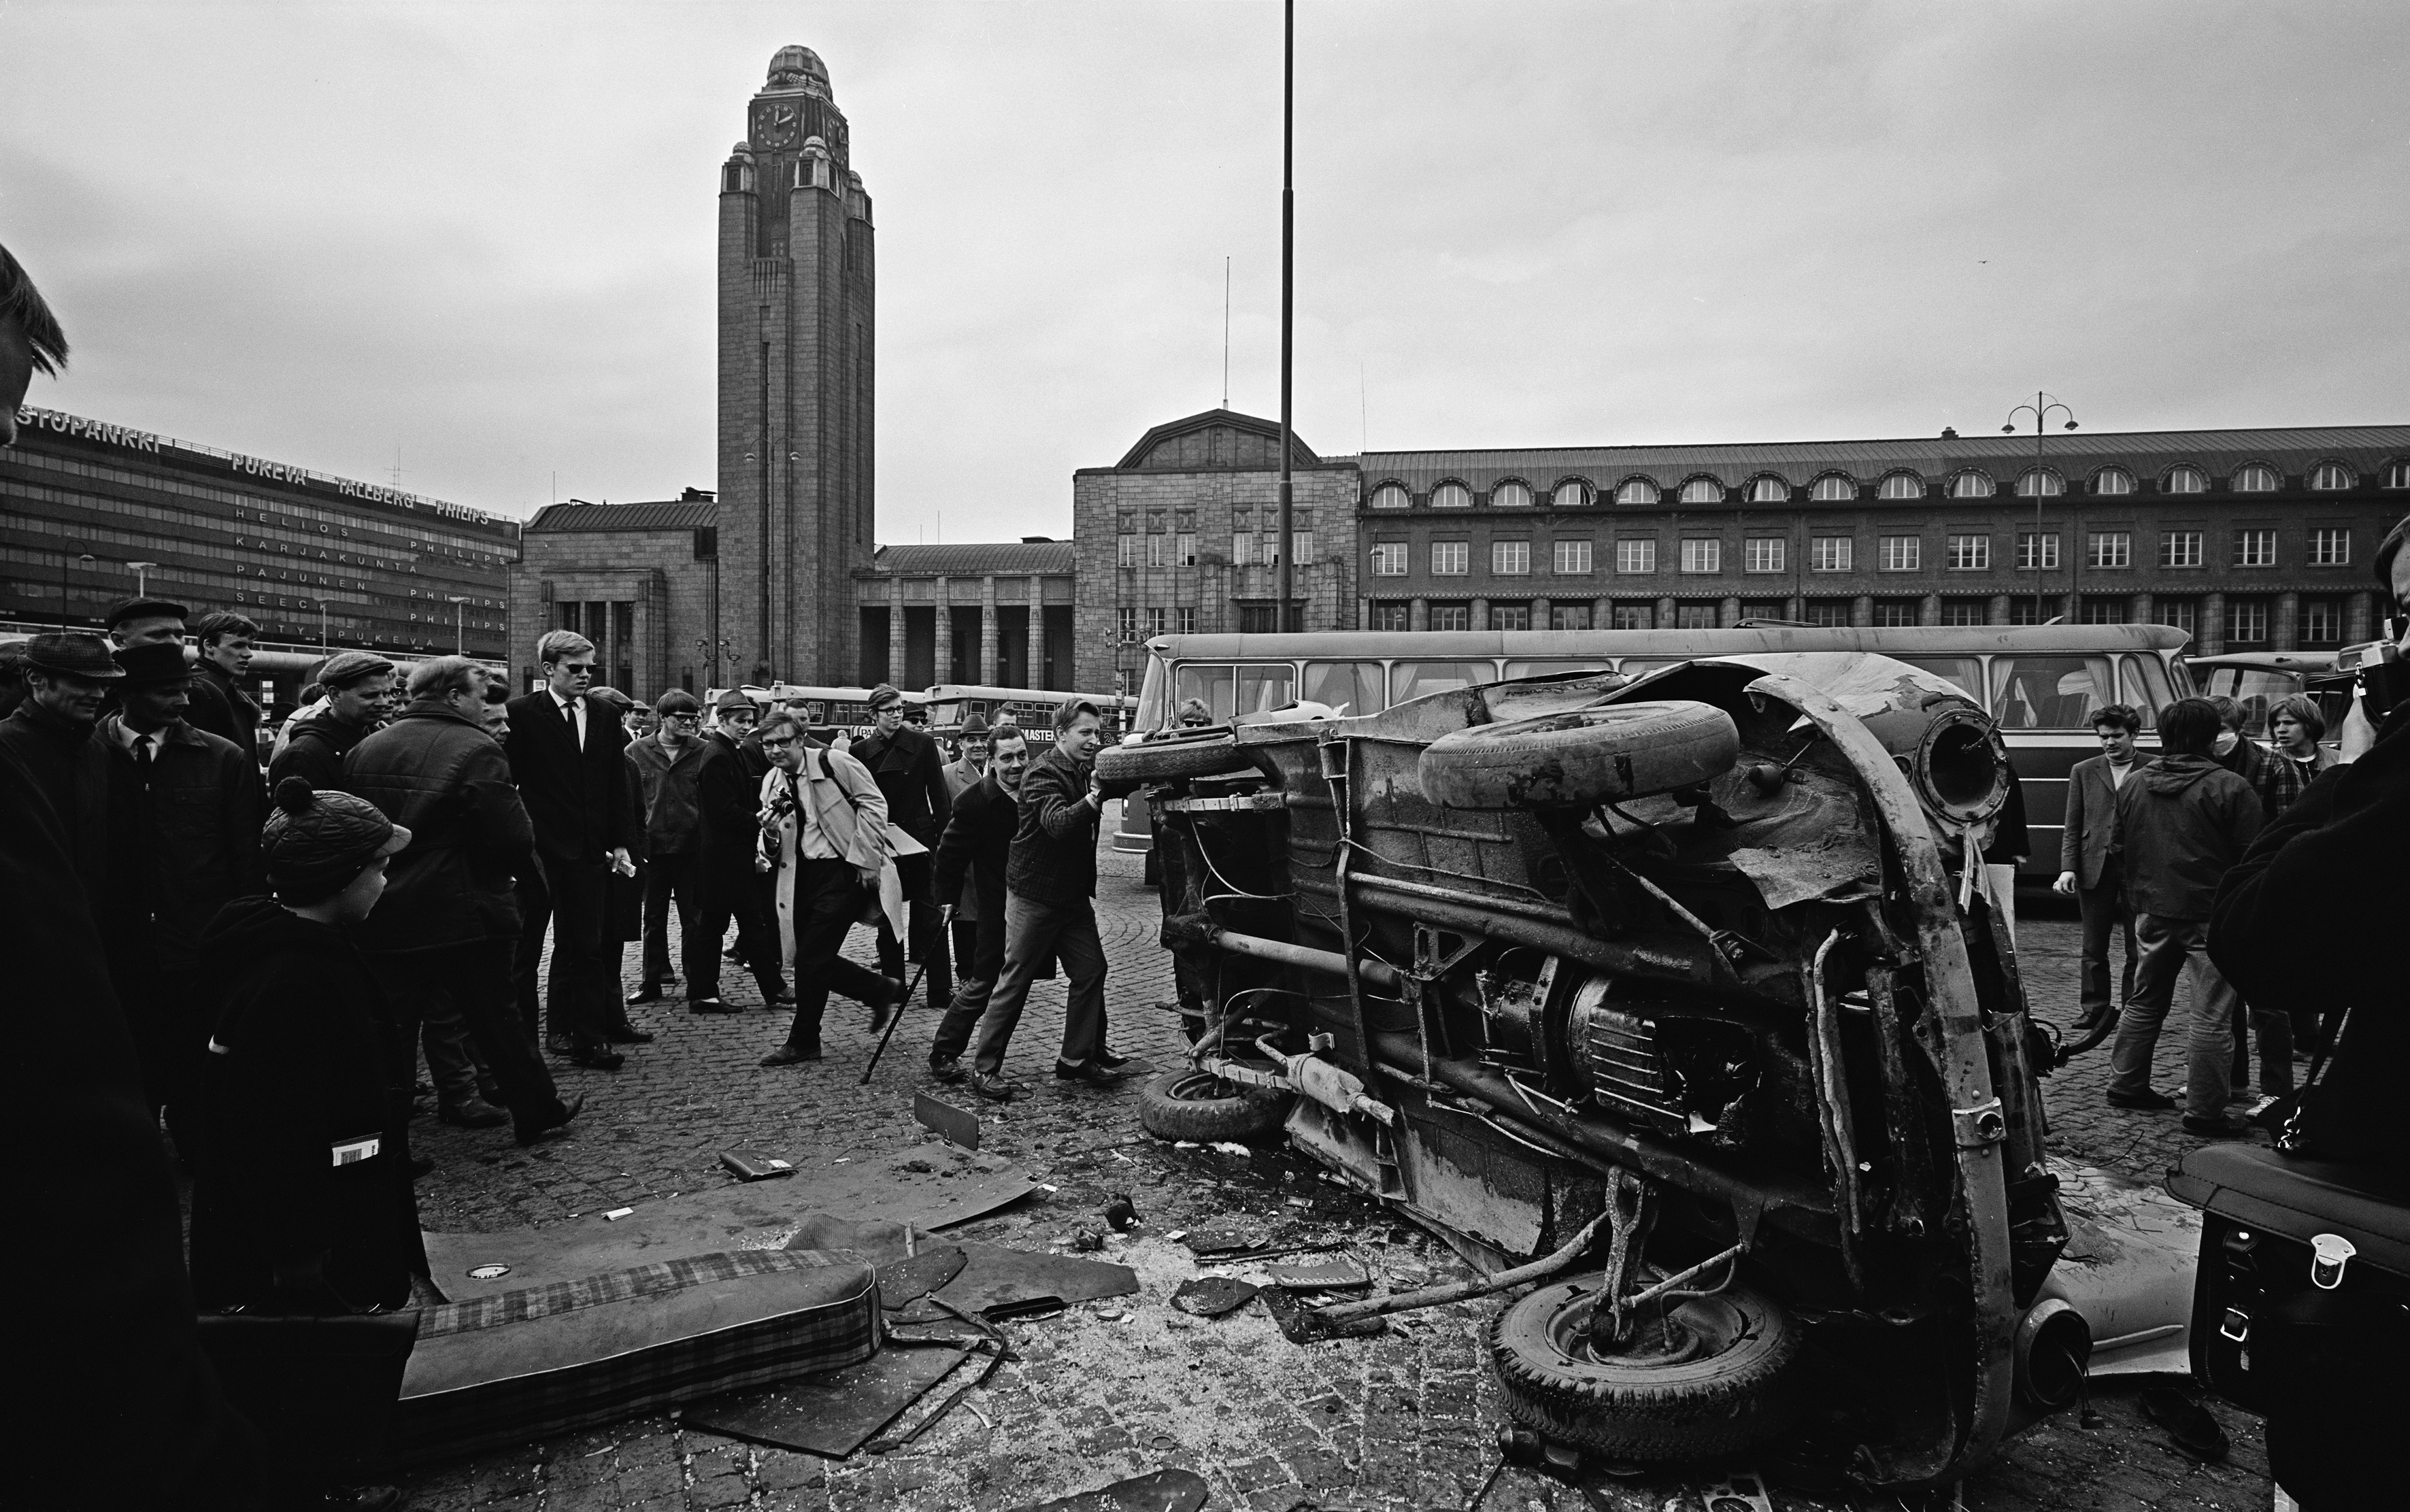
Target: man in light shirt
<point>824,835</point>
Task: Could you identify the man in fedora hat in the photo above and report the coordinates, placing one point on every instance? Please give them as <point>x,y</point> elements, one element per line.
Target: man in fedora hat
<point>183,842</point>
<point>68,678</point>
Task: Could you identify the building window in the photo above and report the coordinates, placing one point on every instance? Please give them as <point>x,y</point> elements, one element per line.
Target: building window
<point>2180,548</point>
<point>1132,550</point>
<point>1391,496</point>
<point>1303,538</point>
<point>2396,475</point>
<point>2321,622</point>
<point>1569,617</point>
<point>2180,614</point>
<point>1902,553</point>
<point>2026,544</point>
<point>1702,491</point>
<point>1157,621</point>
<point>2254,548</point>
<point>1970,485</point>
<point>1451,616</point>
<point>1450,559</point>
<point>1702,556</point>
<point>1769,492</point>
<point>1965,612</point>
<point>2254,479</point>
<point>2246,622</point>
<point>1829,553</point>
<point>1894,614</point>
<point>1764,554</point>
<point>1763,609</point>
<point>1510,616</point>
<point>1571,494</point>
<point>2103,609</point>
<point>2111,549</point>
<point>2327,476</point>
<point>1902,485</point>
<point>1834,489</point>
<point>1636,491</point>
<point>1635,616</point>
<point>1636,555</point>
<point>1451,496</point>
<point>2113,480</point>
<point>1510,559</point>
<point>1694,617</point>
<point>2184,480</point>
<point>1573,558</point>
<point>1828,614</point>
<point>1183,550</point>
<point>1242,548</point>
<point>1158,551</point>
<point>1256,619</point>
<point>2040,483</point>
<point>1511,496</point>
<point>1970,554</point>
<point>1130,624</point>
<point>2330,548</point>
<point>1388,616</point>
<point>2023,610</point>
<point>1185,619</point>
<point>1389,560</point>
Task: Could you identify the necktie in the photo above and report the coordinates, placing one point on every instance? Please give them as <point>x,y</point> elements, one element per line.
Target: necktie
<point>142,758</point>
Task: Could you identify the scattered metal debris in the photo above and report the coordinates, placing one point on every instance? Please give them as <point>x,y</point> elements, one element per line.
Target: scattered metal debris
<point>1212,1296</point>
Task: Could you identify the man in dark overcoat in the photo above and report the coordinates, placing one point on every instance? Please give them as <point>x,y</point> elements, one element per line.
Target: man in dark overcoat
<point>728,801</point>
<point>972,858</point>
<point>909,769</point>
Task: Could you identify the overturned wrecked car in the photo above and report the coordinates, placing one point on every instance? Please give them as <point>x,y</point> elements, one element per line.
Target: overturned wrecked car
<point>1682,995</point>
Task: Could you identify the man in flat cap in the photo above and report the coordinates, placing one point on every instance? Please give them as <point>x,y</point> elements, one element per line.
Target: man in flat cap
<point>728,809</point>
<point>68,678</point>
<point>183,841</point>
<point>904,760</point>
<point>359,692</point>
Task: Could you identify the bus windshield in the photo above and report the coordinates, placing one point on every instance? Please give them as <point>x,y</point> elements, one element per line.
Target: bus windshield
<point>2050,692</point>
<point>1228,691</point>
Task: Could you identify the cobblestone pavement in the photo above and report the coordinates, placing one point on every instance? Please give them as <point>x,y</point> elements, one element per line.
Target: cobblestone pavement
<point>1116,1389</point>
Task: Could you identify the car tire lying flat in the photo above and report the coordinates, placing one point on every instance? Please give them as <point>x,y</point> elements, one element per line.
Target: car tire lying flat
<point>1733,1392</point>
<point>1191,1104</point>
<point>1581,758</point>
<point>1169,761</point>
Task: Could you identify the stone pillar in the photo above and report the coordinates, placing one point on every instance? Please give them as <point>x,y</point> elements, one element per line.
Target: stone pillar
<point>2285,635</point>
<point>1728,612</point>
<point>1998,614</point>
<point>895,630</point>
<point>2211,630</point>
<point>2138,611</point>
<point>1481,613</point>
<point>1665,615</point>
<point>1419,614</point>
<point>1036,633</point>
<point>1928,610</point>
<point>1795,607</point>
<point>1602,613</point>
<point>1861,611</point>
<point>2359,618</point>
<point>988,672</point>
<point>1539,614</point>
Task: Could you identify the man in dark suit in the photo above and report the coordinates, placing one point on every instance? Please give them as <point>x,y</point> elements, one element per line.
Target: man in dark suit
<point>566,756</point>
<point>909,769</point>
<point>972,857</point>
<point>2091,868</point>
<point>727,796</point>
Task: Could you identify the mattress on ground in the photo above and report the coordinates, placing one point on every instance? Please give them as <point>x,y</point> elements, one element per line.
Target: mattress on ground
<point>498,1371</point>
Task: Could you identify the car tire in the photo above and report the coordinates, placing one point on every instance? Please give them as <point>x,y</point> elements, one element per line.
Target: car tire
<point>1733,1390</point>
<point>1190,1104</point>
<point>1581,758</point>
<point>1171,761</point>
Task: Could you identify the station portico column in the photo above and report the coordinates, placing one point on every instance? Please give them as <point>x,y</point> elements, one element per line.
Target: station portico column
<point>987,668</point>
<point>895,630</point>
<point>1037,675</point>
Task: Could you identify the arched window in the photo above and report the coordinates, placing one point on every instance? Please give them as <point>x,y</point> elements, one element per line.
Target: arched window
<point>1769,492</point>
<point>1834,489</point>
<point>1702,491</point>
<point>2255,479</point>
<point>2184,480</point>
<point>1451,496</point>
<point>2327,476</point>
<point>1511,495</point>
<point>1970,485</point>
<point>1902,485</point>
<point>2113,480</point>
<point>1636,491</point>
<point>1574,493</point>
<point>2396,475</point>
<point>2038,482</point>
<point>1391,496</point>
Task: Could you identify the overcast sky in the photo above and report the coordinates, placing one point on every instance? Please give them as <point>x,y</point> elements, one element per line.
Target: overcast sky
<point>481,235</point>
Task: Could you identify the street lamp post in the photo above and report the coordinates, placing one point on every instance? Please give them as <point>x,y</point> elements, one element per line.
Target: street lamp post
<point>459,624</point>
<point>141,570</point>
<point>87,559</point>
<point>2039,409</point>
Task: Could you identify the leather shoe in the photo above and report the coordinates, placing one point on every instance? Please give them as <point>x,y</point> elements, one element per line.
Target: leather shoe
<point>597,1057</point>
<point>708,1005</point>
<point>625,1033</point>
<point>949,1070</point>
<point>1092,1075</point>
<point>1106,1060</point>
<point>995,1088</point>
<point>560,1044</point>
<point>791,1054</point>
<point>777,994</point>
<point>535,1130</point>
<point>2217,1128</point>
<point>649,993</point>
<point>473,1113</point>
<point>887,1007</point>
<point>2145,1100</point>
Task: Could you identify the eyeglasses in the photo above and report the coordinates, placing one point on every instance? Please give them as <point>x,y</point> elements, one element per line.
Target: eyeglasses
<point>685,718</point>
<point>776,743</point>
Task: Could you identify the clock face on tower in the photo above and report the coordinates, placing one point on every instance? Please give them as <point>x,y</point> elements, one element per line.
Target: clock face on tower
<point>777,125</point>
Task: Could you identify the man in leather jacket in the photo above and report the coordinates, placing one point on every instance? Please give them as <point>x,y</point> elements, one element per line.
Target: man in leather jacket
<point>909,770</point>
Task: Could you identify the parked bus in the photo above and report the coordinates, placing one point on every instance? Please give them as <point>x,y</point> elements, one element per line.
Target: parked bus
<point>2041,682</point>
<point>825,708</point>
<point>1032,708</point>
<point>2260,680</point>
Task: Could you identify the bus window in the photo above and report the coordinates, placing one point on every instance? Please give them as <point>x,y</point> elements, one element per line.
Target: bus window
<point>1544,669</point>
<point>1215,686</point>
<point>1265,686</point>
<point>1965,671</point>
<point>1349,686</point>
<point>2049,693</point>
<point>1419,679</point>
<point>2257,688</point>
<point>1641,666</point>
<point>1149,698</point>
<point>2146,687</point>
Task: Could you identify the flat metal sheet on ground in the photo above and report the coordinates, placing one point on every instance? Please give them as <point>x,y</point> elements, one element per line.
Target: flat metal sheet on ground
<point>995,1276</point>
<point>927,1185</point>
<point>908,1280</point>
<point>1165,1491</point>
<point>832,1414</point>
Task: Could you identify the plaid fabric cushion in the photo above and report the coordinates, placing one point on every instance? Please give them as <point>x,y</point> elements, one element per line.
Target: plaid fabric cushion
<point>498,1371</point>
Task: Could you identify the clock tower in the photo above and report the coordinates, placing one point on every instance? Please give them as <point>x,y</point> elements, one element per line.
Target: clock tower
<point>796,378</point>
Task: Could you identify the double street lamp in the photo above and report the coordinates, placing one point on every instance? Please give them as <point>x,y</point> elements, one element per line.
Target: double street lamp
<point>141,570</point>
<point>459,624</point>
<point>2039,409</point>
